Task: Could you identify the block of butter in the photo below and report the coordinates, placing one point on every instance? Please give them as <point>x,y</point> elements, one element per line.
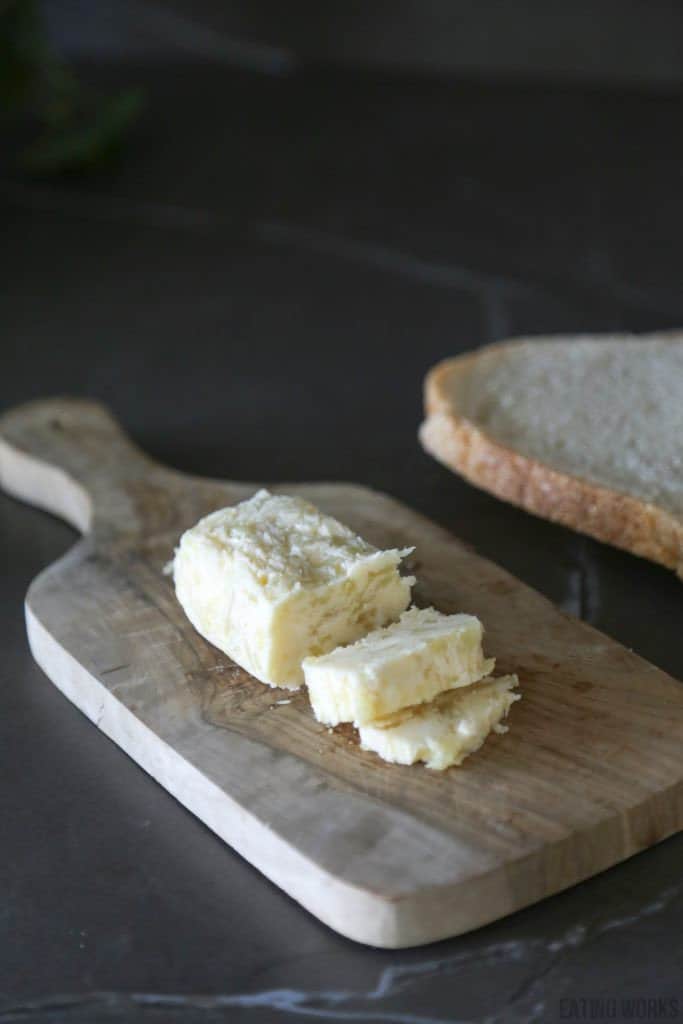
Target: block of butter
<point>272,580</point>
<point>408,662</point>
<point>444,732</point>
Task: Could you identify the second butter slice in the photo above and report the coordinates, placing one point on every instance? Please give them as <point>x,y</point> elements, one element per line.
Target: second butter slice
<point>407,663</point>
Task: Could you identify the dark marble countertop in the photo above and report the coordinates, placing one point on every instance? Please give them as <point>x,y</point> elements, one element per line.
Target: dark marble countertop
<point>257,290</point>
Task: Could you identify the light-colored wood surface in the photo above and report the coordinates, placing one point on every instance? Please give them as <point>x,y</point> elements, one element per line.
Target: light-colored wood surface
<point>590,772</point>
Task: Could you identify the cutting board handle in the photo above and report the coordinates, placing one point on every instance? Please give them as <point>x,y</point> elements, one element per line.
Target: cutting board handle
<point>70,457</point>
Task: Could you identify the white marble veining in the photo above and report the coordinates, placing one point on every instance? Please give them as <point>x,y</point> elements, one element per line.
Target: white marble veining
<point>387,257</point>
<point>527,1003</point>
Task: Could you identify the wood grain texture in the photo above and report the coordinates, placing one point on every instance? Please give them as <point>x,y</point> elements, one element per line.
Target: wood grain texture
<point>590,772</point>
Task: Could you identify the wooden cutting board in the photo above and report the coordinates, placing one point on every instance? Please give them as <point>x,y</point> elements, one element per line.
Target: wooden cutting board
<point>590,772</point>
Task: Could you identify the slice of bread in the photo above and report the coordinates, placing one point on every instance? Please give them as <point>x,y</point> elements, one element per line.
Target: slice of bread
<point>586,431</point>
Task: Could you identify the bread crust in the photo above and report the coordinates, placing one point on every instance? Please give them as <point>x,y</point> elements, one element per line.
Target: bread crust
<point>620,519</point>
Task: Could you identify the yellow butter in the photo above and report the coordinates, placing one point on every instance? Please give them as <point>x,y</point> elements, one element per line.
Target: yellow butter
<point>406,663</point>
<point>273,579</point>
<point>445,731</point>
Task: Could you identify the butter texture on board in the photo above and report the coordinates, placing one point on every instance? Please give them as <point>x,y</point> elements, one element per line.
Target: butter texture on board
<point>273,579</point>
<point>444,732</point>
<point>406,663</point>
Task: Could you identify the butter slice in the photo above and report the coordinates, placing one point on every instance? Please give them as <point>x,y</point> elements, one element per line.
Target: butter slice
<point>272,580</point>
<point>446,731</point>
<point>409,662</point>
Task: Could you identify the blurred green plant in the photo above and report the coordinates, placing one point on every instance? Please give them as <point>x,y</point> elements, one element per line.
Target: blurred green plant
<point>75,128</point>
